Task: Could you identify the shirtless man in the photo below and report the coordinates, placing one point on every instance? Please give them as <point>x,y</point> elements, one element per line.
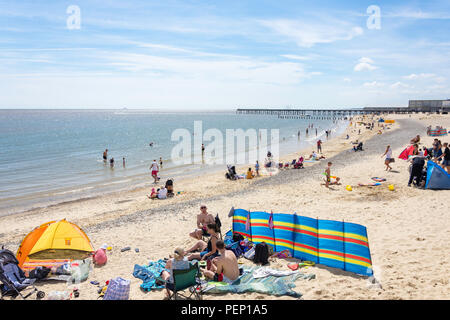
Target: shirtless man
<point>203,219</point>
<point>225,265</point>
<point>105,155</point>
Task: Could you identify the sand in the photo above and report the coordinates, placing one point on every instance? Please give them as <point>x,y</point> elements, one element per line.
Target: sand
<point>408,229</point>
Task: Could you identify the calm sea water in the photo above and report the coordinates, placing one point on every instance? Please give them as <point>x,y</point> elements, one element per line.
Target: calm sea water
<point>50,156</point>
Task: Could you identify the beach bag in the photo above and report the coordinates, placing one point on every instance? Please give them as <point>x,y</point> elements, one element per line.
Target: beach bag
<point>261,253</point>
<point>250,254</point>
<point>391,160</point>
<point>80,270</point>
<point>237,237</point>
<point>236,248</point>
<point>39,273</point>
<point>118,289</point>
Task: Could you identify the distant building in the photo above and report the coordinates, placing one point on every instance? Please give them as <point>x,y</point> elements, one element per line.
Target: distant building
<point>429,105</point>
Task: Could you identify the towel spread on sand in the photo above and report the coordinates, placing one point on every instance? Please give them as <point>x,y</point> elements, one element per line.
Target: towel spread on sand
<point>265,272</point>
<point>278,286</point>
<point>148,274</point>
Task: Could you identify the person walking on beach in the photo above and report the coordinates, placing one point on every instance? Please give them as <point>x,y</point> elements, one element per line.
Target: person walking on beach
<point>387,160</point>
<point>154,169</point>
<point>160,162</point>
<point>319,146</point>
<point>306,131</point>
<point>316,132</point>
<point>105,155</point>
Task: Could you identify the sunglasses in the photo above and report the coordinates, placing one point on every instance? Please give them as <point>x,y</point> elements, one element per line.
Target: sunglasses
<point>202,207</point>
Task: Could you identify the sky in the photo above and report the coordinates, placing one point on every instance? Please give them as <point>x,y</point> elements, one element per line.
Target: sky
<point>223,54</point>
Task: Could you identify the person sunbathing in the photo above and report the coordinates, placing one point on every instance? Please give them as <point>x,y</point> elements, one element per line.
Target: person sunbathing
<point>314,156</point>
<point>225,267</point>
<point>207,250</point>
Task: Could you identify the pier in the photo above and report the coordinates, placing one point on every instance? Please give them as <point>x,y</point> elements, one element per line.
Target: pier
<point>331,114</point>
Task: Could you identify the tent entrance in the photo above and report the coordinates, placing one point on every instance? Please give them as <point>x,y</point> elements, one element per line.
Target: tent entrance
<point>50,254</point>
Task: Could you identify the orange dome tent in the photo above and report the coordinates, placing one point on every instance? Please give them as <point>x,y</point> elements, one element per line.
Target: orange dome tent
<point>60,240</point>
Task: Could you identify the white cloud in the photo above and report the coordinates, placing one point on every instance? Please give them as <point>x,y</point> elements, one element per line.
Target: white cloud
<point>417,14</point>
<point>347,80</point>
<point>296,57</point>
<point>217,69</point>
<point>308,33</point>
<point>414,76</point>
<point>365,64</point>
<point>373,84</point>
<point>399,84</point>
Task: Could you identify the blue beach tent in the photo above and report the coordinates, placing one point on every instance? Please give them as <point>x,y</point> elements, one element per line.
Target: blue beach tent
<point>437,178</point>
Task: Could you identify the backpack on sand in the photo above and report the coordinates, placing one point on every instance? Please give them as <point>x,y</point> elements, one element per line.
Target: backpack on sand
<point>261,253</point>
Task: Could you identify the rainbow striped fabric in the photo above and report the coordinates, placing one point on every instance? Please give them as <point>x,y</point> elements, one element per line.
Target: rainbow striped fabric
<point>336,244</point>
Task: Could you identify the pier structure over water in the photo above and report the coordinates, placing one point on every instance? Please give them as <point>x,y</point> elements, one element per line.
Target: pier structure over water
<point>333,114</point>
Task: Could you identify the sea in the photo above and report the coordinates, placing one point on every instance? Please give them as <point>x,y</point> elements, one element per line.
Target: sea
<point>53,156</point>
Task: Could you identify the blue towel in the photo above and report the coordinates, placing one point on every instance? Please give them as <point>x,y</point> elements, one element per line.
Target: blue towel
<point>149,273</point>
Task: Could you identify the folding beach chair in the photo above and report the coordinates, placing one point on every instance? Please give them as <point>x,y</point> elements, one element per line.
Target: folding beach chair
<point>13,280</point>
<point>188,279</point>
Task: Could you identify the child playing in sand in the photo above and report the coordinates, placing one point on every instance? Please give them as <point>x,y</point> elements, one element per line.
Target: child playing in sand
<point>328,176</point>
<point>250,174</point>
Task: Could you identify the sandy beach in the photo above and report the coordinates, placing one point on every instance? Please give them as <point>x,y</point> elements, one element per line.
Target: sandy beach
<point>408,228</point>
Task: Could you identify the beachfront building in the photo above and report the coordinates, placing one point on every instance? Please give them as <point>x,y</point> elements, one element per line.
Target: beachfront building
<point>429,105</point>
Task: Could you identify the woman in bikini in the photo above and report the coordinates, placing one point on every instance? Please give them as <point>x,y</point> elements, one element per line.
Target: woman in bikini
<point>207,250</point>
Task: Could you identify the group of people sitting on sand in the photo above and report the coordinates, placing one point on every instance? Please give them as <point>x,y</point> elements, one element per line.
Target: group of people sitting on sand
<point>418,169</point>
<point>439,153</point>
<point>164,192</point>
<point>221,264</point>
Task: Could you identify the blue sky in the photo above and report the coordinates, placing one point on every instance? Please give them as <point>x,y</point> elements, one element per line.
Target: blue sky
<point>213,55</point>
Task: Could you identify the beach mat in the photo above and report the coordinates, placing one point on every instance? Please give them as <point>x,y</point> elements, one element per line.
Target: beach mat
<point>273,285</point>
<point>34,263</point>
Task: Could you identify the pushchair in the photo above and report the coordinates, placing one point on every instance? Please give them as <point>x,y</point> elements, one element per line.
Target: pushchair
<point>169,187</point>
<point>231,174</point>
<point>299,163</point>
<point>13,280</point>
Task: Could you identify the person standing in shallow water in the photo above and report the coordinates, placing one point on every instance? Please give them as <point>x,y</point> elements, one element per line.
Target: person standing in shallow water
<point>111,162</point>
<point>105,155</point>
